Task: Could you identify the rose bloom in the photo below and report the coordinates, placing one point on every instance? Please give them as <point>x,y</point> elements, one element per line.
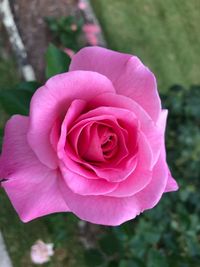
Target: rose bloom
<point>41,252</point>
<point>93,143</point>
<point>82,5</point>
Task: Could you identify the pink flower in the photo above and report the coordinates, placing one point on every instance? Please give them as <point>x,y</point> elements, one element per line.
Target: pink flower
<point>91,31</point>
<point>93,143</point>
<point>82,5</point>
<point>41,252</point>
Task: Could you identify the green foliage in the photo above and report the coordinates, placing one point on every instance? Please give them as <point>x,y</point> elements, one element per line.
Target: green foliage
<point>56,61</point>
<point>109,244</point>
<point>66,31</point>
<point>131,263</point>
<point>31,86</point>
<point>93,258</point>
<point>183,132</point>
<point>156,258</point>
<point>17,100</point>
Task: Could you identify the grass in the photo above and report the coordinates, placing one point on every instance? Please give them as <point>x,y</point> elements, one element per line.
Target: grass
<point>164,34</point>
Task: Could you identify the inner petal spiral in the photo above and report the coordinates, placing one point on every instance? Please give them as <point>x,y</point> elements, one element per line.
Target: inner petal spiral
<point>97,143</point>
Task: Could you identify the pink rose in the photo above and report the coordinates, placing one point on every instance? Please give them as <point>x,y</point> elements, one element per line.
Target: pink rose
<point>93,143</point>
<point>82,5</point>
<point>41,252</point>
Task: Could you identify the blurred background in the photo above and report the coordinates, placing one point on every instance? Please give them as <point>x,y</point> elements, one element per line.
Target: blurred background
<point>166,37</point>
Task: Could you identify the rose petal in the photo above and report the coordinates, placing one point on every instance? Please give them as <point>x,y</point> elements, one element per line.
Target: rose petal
<point>150,195</point>
<point>83,186</point>
<point>75,135</point>
<point>73,112</point>
<point>101,60</point>
<point>127,73</point>
<point>171,184</point>
<point>31,186</point>
<point>51,102</point>
<point>87,144</point>
<point>152,131</point>
<point>71,115</point>
<point>142,174</point>
<point>114,211</point>
<point>139,83</point>
<point>110,172</point>
<point>100,209</point>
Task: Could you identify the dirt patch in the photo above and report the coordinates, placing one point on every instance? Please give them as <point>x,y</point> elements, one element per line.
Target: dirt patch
<point>29,16</point>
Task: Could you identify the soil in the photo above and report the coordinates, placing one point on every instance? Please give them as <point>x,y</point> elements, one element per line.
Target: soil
<point>29,16</point>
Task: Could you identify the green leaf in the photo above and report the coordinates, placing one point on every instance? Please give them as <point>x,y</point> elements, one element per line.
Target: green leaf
<point>110,244</point>
<point>56,61</point>
<point>28,86</point>
<point>15,101</point>
<point>131,263</point>
<point>113,263</point>
<point>93,258</point>
<point>156,259</point>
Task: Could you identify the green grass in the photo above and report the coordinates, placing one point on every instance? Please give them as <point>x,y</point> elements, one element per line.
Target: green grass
<point>164,34</point>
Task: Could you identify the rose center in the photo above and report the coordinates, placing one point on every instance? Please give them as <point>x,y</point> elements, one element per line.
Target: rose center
<point>100,144</point>
<point>109,145</point>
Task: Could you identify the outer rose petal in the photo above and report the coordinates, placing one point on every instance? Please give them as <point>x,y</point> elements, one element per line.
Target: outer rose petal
<point>115,210</point>
<point>151,195</point>
<point>171,183</point>
<point>31,186</point>
<point>51,102</point>
<point>127,73</point>
<point>139,83</point>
